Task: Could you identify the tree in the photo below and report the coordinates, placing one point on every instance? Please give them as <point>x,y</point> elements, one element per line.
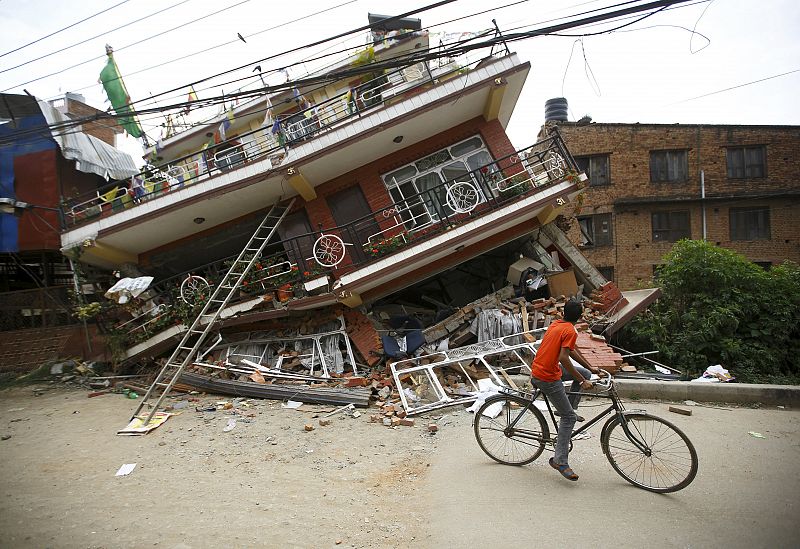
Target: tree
<point>719,308</point>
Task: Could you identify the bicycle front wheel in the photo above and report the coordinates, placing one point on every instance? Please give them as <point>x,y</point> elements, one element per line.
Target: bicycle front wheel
<point>667,461</point>
<point>516,435</point>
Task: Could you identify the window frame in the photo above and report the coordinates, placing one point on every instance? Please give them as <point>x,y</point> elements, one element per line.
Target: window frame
<point>596,220</point>
<point>606,271</point>
<point>730,170</point>
<point>415,218</point>
<point>683,178</point>
<point>589,170</point>
<point>673,234</point>
<point>740,234</point>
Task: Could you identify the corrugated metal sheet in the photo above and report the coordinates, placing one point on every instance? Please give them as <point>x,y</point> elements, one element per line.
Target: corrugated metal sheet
<point>90,154</point>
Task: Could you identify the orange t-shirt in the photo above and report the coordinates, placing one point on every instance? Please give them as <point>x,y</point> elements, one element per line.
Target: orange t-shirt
<point>560,334</point>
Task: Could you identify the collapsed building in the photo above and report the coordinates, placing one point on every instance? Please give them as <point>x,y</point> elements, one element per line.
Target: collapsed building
<point>313,236</point>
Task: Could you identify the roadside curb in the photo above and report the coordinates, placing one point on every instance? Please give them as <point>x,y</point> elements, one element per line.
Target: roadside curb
<point>742,393</point>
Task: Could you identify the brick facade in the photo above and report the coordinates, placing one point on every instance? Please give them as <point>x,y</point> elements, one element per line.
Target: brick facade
<point>632,198</point>
<point>104,130</point>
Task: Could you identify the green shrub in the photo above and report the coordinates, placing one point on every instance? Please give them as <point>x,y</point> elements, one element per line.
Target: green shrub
<point>719,308</point>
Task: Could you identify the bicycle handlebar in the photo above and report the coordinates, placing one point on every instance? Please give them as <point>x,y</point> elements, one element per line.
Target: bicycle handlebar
<point>605,380</point>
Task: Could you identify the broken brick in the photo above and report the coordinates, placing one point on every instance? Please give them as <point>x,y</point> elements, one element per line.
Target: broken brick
<point>356,381</point>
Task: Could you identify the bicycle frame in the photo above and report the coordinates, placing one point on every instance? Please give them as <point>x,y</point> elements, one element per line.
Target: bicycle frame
<point>615,406</point>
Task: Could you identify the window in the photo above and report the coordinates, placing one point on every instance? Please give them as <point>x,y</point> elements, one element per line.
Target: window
<point>419,187</point>
<point>747,162</point>
<point>669,166</point>
<point>766,265</point>
<point>749,223</point>
<point>656,271</point>
<point>596,168</point>
<point>671,226</point>
<point>596,230</point>
<point>607,272</point>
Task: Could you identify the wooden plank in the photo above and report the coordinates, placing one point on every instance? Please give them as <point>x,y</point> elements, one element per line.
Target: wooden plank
<point>680,411</point>
<point>508,379</point>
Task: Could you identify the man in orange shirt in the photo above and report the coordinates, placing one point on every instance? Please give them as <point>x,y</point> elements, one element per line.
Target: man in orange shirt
<point>558,346</point>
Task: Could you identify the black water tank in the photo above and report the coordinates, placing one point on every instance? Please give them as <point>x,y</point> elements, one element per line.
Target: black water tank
<point>556,109</point>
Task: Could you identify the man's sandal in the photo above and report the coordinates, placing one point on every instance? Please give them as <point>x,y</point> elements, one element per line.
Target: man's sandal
<point>564,469</point>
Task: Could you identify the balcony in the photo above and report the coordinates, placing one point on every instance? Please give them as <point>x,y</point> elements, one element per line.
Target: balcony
<point>321,140</point>
<point>399,245</point>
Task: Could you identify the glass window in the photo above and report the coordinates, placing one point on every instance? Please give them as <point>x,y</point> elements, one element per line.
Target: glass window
<point>466,147</point>
<point>596,230</point>
<point>420,185</point>
<point>607,272</point>
<point>596,167</point>
<point>747,162</point>
<point>406,172</point>
<point>429,162</point>
<point>749,224</point>
<point>670,226</point>
<point>481,158</point>
<point>669,166</point>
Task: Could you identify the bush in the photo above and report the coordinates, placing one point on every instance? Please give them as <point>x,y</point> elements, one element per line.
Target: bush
<point>719,308</point>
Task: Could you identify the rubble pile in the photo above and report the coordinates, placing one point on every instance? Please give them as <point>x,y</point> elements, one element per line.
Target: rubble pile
<point>459,328</point>
<point>607,299</point>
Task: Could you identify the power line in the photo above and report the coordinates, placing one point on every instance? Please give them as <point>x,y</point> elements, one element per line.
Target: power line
<point>59,50</point>
<point>205,50</point>
<point>311,45</point>
<point>414,56</point>
<point>736,87</point>
<point>182,25</point>
<point>64,28</point>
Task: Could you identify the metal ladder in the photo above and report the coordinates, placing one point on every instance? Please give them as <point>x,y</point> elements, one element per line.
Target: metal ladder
<point>193,339</point>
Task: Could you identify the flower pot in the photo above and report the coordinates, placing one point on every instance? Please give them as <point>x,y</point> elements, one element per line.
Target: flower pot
<point>285,293</point>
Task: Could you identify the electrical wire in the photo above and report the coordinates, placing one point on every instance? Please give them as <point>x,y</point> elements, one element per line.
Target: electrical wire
<point>180,26</point>
<point>64,28</point>
<point>735,87</point>
<point>236,40</point>
<point>415,56</point>
<point>59,50</point>
<point>311,45</point>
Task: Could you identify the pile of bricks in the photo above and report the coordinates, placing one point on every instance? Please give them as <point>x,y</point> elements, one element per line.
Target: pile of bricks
<point>607,298</point>
<point>596,351</point>
<point>364,336</point>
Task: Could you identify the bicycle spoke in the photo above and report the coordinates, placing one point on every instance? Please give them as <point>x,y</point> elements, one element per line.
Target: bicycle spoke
<point>516,436</point>
<point>669,463</point>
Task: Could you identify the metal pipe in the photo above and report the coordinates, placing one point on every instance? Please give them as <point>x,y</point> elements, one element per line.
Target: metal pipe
<point>703,200</point>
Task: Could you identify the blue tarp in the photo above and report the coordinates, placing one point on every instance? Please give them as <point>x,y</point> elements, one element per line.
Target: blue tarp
<point>28,141</point>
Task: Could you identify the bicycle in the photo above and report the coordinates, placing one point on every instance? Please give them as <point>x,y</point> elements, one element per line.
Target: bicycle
<point>646,450</point>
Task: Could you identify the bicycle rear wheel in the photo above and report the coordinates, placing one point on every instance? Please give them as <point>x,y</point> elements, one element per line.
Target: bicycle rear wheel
<point>668,465</point>
<point>514,437</point>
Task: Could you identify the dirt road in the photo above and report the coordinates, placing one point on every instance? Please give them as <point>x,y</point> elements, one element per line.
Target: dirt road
<point>269,483</point>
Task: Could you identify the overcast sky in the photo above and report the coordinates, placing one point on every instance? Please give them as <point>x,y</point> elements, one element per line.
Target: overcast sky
<point>651,71</point>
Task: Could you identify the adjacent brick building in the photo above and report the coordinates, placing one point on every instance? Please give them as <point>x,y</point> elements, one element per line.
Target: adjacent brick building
<point>647,183</point>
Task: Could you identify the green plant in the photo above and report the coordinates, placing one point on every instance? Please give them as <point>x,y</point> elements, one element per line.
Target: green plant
<point>719,308</point>
<point>516,185</point>
<point>85,312</point>
<point>385,246</point>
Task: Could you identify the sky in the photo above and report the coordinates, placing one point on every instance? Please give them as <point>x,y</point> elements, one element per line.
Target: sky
<point>653,71</point>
